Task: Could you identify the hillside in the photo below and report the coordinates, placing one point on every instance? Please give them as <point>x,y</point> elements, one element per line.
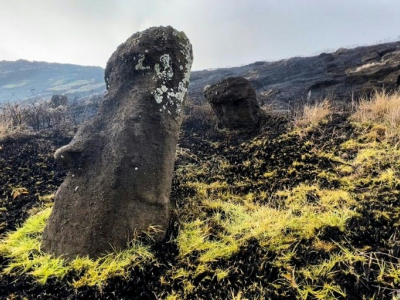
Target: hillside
<point>23,79</point>
<point>341,75</point>
<point>344,74</point>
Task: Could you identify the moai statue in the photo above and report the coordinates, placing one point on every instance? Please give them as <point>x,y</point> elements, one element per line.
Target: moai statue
<point>121,162</point>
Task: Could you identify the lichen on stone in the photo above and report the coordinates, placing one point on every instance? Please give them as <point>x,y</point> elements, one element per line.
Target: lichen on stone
<point>167,72</point>
<point>139,65</point>
<point>165,60</point>
<point>164,73</point>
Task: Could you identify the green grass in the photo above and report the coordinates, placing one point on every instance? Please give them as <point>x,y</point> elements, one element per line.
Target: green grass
<point>22,248</point>
<point>241,219</point>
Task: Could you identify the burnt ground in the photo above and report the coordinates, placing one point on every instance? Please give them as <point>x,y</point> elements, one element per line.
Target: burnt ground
<point>28,162</point>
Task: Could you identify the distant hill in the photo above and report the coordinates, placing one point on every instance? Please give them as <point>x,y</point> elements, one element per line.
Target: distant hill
<point>24,79</point>
<point>341,75</point>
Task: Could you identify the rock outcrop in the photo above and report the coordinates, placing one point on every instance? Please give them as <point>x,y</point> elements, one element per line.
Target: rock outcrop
<point>234,102</point>
<point>379,71</point>
<point>121,162</point>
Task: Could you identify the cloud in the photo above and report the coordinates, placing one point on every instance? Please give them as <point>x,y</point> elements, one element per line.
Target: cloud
<point>223,32</point>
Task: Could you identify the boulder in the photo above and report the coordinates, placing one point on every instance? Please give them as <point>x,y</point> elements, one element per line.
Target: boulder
<point>234,102</point>
<point>121,162</point>
<point>384,73</point>
<point>371,56</point>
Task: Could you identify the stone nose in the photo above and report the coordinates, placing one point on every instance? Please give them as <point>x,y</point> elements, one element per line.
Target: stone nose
<point>69,156</point>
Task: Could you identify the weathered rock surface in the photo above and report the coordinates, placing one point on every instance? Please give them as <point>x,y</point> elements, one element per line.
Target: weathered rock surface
<point>341,75</point>
<point>121,163</point>
<point>382,72</point>
<point>234,102</point>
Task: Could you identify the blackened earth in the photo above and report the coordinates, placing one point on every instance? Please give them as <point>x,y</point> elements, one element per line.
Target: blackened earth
<point>28,162</point>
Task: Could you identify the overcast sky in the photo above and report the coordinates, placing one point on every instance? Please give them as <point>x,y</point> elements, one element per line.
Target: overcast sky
<point>223,32</point>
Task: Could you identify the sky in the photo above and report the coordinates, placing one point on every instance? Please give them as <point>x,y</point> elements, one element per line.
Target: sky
<point>224,33</point>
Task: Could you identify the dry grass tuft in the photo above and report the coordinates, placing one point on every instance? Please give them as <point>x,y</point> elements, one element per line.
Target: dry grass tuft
<point>5,128</point>
<point>382,109</point>
<point>312,115</point>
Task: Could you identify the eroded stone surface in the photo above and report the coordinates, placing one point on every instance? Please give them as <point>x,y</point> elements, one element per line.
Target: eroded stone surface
<point>234,102</point>
<point>121,163</point>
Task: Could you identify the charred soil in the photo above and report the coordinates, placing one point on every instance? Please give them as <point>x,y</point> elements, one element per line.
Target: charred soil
<point>338,238</point>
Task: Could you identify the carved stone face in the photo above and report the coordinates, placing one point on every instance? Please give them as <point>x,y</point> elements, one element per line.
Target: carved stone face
<point>121,163</point>
<point>234,102</point>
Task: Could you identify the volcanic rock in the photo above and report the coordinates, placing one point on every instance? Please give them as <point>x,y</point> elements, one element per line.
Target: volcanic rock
<point>234,102</point>
<point>121,162</point>
<point>370,57</point>
<point>381,73</point>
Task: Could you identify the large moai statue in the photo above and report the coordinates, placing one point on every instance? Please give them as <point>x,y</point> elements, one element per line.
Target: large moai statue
<point>121,163</point>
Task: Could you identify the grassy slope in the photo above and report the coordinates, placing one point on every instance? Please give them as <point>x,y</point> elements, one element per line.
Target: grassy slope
<point>308,213</point>
<point>24,79</point>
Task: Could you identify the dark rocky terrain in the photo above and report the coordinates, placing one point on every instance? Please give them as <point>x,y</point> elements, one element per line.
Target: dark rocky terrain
<point>343,73</point>
<point>339,74</point>
<point>270,169</point>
